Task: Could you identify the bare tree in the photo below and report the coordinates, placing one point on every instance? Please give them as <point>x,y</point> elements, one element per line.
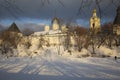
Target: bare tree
<point>67,39</point>
<point>27,31</point>
<point>96,4</point>
<point>9,40</point>
<point>11,7</point>
<point>14,10</point>
<point>80,37</point>
<point>41,41</point>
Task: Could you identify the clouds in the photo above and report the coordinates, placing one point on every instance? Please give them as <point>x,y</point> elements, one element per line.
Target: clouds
<point>65,9</point>
<point>32,26</point>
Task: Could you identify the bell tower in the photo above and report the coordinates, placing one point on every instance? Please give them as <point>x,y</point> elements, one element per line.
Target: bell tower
<point>94,23</point>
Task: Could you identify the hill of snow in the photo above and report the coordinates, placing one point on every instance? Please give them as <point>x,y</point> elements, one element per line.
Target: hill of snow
<point>50,66</point>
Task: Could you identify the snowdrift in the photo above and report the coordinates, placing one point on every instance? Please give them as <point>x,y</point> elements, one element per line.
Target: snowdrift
<point>34,51</point>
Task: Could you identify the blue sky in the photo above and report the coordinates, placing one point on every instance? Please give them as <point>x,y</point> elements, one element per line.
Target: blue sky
<point>39,13</point>
<point>8,22</point>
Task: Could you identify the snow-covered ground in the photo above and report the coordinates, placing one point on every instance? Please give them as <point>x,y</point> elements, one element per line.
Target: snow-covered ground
<point>50,66</point>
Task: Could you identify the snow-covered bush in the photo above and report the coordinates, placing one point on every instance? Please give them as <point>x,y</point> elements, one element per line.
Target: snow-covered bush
<point>84,53</point>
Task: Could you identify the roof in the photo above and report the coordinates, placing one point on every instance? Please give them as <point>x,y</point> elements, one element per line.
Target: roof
<point>51,32</point>
<point>14,28</point>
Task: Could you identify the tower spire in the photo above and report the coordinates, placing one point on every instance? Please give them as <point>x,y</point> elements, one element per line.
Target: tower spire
<point>94,12</point>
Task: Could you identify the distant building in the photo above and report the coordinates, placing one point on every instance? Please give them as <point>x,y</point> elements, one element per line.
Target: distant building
<point>55,36</point>
<point>94,23</point>
<point>116,24</point>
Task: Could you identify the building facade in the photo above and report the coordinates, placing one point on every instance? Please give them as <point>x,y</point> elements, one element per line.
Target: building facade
<point>55,36</point>
<point>94,23</point>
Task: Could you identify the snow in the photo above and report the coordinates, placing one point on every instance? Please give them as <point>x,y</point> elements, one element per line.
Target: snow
<point>48,65</point>
<point>103,50</point>
<point>46,32</point>
<point>76,54</point>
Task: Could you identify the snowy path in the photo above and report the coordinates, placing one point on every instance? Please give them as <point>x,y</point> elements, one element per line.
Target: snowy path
<point>53,67</point>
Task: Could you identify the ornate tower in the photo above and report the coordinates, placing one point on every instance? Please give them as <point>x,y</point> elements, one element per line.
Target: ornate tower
<point>55,23</point>
<point>94,23</point>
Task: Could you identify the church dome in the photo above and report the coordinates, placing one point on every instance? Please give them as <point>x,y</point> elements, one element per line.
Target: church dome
<point>55,19</point>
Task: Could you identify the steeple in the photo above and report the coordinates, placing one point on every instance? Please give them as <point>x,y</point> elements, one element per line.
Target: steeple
<point>94,13</point>
<point>14,28</point>
<point>94,23</point>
